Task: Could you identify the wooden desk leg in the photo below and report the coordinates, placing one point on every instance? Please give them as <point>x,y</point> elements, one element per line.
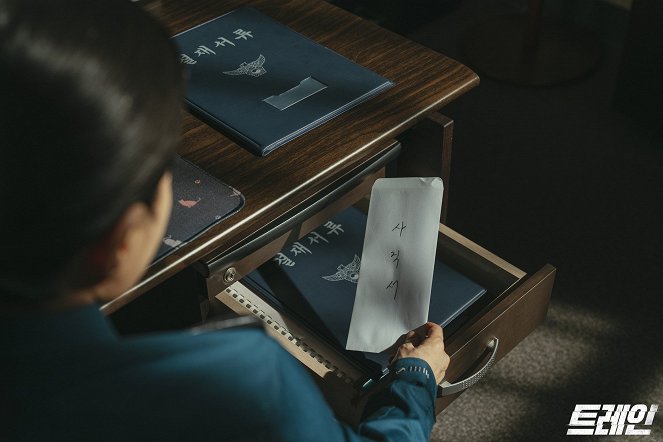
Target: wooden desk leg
<point>427,152</point>
<point>447,127</point>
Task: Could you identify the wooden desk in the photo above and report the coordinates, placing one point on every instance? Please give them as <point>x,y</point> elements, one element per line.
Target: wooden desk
<point>303,183</point>
<point>273,185</point>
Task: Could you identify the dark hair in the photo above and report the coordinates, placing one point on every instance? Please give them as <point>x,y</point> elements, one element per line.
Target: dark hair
<point>90,115</point>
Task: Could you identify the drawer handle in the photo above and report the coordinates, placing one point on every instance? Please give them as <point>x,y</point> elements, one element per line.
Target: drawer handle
<point>446,389</point>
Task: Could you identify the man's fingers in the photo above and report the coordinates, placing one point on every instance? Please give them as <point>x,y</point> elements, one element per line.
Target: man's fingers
<point>408,346</point>
<point>434,330</point>
<point>446,361</point>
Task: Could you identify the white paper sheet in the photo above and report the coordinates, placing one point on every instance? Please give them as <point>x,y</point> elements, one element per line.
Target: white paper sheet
<point>393,293</point>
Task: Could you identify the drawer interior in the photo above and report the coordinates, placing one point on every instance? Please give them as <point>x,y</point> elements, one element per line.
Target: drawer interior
<point>484,267</point>
<point>496,275</point>
<point>457,252</point>
<point>488,270</point>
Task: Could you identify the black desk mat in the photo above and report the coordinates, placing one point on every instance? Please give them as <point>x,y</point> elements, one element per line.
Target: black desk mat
<point>199,202</point>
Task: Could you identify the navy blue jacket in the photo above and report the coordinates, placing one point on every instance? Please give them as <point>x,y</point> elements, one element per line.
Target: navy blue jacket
<point>68,376</point>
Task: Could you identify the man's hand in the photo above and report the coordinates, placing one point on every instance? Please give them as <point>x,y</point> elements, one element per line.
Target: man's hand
<point>426,343</point>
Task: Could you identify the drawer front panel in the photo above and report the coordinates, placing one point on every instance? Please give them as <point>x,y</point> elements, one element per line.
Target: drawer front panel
<point>510,321</point>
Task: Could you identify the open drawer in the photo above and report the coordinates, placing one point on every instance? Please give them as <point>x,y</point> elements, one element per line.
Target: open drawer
<point>512,307</point>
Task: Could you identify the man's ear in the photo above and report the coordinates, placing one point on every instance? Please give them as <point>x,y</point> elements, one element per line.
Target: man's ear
<point>94,263</point>
<point>109,258</point>
<point>116,261</point>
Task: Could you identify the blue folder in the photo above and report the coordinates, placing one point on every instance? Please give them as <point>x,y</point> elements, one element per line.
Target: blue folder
<point>315,279</point>
<point>264,84</point>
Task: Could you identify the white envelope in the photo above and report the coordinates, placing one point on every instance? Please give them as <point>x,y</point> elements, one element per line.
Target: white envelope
<point>393,293</point>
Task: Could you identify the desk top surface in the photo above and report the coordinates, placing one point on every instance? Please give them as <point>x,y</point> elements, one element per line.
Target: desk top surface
<point>424,81</point>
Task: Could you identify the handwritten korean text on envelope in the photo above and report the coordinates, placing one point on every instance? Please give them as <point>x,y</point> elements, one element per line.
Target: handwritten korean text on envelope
<point>393,293</point>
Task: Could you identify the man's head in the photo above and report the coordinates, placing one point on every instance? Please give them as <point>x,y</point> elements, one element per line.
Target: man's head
<point>89,120</point>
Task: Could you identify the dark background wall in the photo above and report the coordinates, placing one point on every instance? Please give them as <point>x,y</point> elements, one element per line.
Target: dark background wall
<point>571,175</point>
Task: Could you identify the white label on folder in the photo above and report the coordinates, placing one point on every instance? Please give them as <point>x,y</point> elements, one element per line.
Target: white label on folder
<point>396,276</point>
